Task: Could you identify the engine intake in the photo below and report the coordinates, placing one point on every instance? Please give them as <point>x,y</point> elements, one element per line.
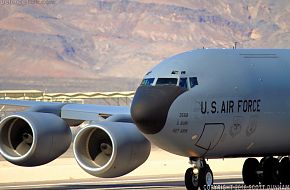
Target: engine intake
<point>110,149</point>
<point>33,138</point>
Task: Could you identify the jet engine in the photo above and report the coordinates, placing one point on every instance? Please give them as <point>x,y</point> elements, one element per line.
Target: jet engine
<point>110,149</point>
<point>33,138</point>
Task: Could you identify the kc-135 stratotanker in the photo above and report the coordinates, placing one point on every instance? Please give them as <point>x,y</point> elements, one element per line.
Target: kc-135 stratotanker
<point>201,104</point>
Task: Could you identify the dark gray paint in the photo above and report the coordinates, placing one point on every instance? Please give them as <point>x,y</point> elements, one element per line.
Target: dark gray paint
<point>150,106</point>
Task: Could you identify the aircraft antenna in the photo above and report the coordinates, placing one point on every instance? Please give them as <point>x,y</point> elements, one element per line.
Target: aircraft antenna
<point>235,45</point>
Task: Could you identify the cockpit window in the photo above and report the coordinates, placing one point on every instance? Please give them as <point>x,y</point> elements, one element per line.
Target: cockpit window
<point>193,81</point>
<point>147,82</point>
<point>166,81</point>
<point>183,82</point>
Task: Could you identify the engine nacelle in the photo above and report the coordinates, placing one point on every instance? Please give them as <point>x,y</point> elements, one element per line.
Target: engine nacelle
<point>33,138</point>
<point>110,149</point>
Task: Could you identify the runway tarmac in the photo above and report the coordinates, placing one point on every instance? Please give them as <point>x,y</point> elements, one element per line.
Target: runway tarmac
<point>227,181</point>
<point>152,183</point>
<point>162,170</point>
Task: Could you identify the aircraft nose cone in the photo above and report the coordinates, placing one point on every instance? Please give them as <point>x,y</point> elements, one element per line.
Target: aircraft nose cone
<point>150,106</point>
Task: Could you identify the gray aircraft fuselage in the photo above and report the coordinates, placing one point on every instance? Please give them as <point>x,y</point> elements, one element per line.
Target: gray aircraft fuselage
<point>236,103</point>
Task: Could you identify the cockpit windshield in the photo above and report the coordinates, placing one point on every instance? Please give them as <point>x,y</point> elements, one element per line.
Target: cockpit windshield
<point>166,81</point>
<point>147,82</point>
<point>193,82</point>
<point>184,82</point>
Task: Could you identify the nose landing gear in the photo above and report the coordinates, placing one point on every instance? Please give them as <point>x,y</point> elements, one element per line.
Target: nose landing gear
<point>268,172</point>
<point>198,176</point>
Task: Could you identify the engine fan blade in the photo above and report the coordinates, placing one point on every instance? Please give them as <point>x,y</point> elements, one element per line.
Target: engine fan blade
<point>106,149</point>
<point>24,146</point>
<point>104,156</point>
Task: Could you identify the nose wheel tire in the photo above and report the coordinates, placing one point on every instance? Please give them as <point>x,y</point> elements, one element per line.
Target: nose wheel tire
<point>203,179</point>
<point>191,179</point>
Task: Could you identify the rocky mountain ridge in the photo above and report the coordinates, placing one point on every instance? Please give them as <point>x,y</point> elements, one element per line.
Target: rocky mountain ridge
<point>111,40</point>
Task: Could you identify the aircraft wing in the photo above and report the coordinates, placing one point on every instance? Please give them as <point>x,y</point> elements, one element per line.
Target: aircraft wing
<point>85,112</point>
<point>91,112</point>
<point>27,103</point>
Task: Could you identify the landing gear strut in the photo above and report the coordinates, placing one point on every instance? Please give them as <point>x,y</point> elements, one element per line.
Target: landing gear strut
<point>269,171</point>
<point>199,175</point>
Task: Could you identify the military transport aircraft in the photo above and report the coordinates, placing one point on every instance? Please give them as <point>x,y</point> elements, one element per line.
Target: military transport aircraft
<point>201,104</point>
